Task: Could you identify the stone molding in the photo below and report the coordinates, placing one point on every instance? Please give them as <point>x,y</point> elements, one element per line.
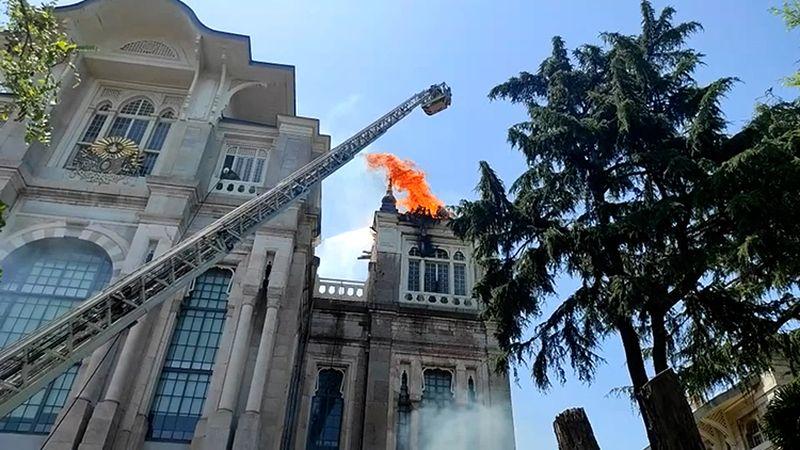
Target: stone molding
<point>115,246</point>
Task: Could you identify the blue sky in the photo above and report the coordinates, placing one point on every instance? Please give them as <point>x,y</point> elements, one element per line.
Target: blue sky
<point>357,59</point>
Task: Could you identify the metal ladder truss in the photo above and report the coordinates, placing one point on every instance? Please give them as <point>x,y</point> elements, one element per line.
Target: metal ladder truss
<point>31,363</point>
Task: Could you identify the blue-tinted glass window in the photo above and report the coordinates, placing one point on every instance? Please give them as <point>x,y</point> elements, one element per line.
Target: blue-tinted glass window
<point>40,282</point>
<point>413,274</point>
<point>325,424</point>
<point>182,388</point>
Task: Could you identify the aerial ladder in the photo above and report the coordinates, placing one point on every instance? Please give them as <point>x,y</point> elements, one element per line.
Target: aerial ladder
<point>29,364</point>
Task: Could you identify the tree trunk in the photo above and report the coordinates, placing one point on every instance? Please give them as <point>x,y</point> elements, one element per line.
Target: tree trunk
<point>664,402</point>
<point>573,431</point>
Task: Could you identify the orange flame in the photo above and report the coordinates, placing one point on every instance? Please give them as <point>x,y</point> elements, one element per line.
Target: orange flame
<point>408,179</point>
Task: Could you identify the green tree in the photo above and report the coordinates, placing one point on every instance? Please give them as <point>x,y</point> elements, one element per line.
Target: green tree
<point>33,46</point>
<point>790,12</point>
<point>782,420</point>
<point>633,188</point>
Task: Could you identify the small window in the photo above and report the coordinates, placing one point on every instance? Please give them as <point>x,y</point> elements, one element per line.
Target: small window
<point>244,163</point>
<point>413,274</point>
<point>326,412</point>
<point>458,256</point>
<point>460,279</point>
<point>440,254</point>
<point>755,436</point>
<point>414,252</point>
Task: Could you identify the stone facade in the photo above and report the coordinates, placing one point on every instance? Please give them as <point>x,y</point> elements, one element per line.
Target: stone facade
<point>196,104</point>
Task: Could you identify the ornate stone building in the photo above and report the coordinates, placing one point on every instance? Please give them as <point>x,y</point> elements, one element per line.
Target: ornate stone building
<point>731,419</point>
<point>259,353</point>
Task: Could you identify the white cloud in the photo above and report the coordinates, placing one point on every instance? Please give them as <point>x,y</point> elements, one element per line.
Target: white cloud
<point>338,254</point>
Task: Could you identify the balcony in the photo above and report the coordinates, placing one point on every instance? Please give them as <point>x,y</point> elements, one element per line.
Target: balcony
<point>236,187</point>
<point>334,289</point>
<point>440,301</point>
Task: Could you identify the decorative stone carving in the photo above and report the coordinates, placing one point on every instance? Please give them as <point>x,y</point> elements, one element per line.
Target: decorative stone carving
<point>108,160</point>
<point>150,48</point>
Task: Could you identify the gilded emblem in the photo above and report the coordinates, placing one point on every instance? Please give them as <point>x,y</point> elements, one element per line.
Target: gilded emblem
<point>108,159</point>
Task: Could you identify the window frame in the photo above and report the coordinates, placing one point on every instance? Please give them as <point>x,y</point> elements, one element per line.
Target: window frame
<point>237,145</point>
<point>171,371</point>
<point>343,414</point>
<point>113,112</point>
<point>411,254</point>
<point>38,281</point>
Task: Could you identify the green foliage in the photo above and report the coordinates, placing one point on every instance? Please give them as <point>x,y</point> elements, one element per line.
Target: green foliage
<point>34,45</point>
<point>790,12</point>
<point>782,420</point>
<point>682,239</point>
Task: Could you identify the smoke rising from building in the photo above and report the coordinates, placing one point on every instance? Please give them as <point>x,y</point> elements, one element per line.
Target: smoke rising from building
<point>407,179</point>
<point>476,427</point>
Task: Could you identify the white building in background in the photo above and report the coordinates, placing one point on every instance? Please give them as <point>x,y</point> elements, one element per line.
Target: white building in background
<point>732,419</point>
<point>259,352</point>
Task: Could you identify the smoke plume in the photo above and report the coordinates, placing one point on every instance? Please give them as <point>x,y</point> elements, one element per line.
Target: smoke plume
<point>478,428</point>
<point>407,179</point>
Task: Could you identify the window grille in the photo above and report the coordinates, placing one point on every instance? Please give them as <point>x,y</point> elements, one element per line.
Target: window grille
<point>459,279</point>
<point>755,436</point>
<point>41,281</point>
<point>183,385</point>
<point>437,398</point>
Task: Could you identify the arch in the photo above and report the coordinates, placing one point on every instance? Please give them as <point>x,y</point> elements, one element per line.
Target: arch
<point>441,253</point>
<point>414,251</point>
<point>458,256</point>
<point>168,113</point>
<point>150,48</point>
<point>43,280</point>
<point>138,105</point>
<point>115,246</point>
<point>104,106</point>
<point>252,101</point>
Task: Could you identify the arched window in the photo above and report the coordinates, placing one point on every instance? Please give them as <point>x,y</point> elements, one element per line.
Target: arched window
<point>437,398</point>
<point>156,141</point>
<point>183,385</point>
<point>404,415</point>
<point>41,281</point>
<point>325,423</point>
<point>135,120</point>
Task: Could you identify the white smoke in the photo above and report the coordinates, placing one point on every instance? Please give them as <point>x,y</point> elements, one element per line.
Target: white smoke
<point>477,427</point>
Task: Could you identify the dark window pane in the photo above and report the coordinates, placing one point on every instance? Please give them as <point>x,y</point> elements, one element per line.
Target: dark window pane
<point>327,405</point>
<point>43,280</point>
<point>184,381</point>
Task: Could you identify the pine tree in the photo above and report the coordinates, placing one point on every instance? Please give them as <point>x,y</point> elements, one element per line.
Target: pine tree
<point>677,234</point>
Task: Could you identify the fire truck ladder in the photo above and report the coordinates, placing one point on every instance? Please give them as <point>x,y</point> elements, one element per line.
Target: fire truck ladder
<point>31,363</point>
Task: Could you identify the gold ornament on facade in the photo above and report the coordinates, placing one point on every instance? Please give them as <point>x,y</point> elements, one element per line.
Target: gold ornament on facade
<point>108,160</point>
<point>115,147</point>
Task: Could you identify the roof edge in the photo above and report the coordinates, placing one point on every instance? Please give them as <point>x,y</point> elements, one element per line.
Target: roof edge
<point>193,17</point>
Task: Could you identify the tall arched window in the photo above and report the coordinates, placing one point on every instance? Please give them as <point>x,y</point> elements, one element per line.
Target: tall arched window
<point>41,281</point>
<point>325,423</point>
<point>437,398</point>
<point>135,120</point>
<point>182,388</point>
